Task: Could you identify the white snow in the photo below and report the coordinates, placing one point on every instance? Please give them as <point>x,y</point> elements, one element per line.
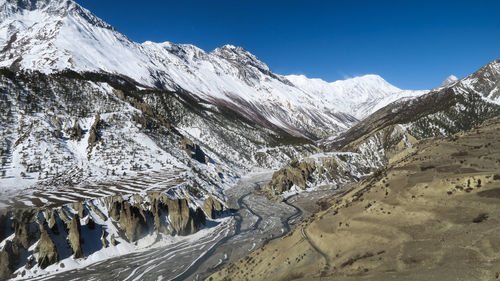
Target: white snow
<point>57,36</point>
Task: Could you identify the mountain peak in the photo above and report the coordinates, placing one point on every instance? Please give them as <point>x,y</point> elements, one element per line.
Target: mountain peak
<point>32,5</point>
<point>449,80</point>
<point>240,55</point>
<point>57,8</point>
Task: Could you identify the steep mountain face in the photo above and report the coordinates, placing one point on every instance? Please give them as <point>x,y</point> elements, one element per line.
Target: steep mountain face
<point>69,129</point>
<point>146,163</point>
<point>444,111</point>
<point>359,96</point>
<point>54,35</point>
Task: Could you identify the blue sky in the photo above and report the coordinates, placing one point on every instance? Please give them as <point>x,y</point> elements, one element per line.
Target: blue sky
<point>412,44</point>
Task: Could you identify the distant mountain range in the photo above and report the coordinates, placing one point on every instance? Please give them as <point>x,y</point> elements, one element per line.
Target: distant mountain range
<point>117,140</point>
<point>54,35</point>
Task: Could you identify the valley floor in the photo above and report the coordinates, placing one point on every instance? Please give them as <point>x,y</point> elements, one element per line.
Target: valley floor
<point>251,223</point>
<point>431,214</point>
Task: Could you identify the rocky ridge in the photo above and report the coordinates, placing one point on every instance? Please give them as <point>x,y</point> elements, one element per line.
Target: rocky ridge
<point>36,238</point>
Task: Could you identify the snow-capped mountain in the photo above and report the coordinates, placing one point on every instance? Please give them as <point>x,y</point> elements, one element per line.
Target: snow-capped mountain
<point>358,96</point>
<point>50,36</point>
<point>449,80</point>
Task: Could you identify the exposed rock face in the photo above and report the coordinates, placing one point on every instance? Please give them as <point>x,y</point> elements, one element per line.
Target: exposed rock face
<point>89,222</point>
<point>320,169</point>
<point>75,133</point>
<point>47,252</point>
<point>52,223</point>
<point>4,218</point>
<point>74,237</point>
<point>104,234</point>
<point>132,221</point>
<point>114,206</point>
<point>183,220</point>
<point>94,131</point>
<point>22,224</point>
<point>158,208</point>
<point>296,173</point>
<point>133,217</point>
<point>8,259</point>
<point>211,206</point>
<point>97,211</point>
<point>78,206</point>
<point>113,240</point>
<point>193,150</point>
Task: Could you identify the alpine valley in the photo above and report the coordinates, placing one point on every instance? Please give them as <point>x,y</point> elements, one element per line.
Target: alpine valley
<point>160,161</point>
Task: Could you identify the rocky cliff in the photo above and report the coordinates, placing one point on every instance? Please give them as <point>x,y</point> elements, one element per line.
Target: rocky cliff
<point>36,238</point>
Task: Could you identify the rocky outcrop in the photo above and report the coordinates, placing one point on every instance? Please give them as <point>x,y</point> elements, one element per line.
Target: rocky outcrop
<point>94,136</point>
<point>193,150</point>
<point>296,173</point>
<point>47,251</point>
<point>211,207</point>
<point>78,207</point>
<point>74,237</point>
<point>104,242</point>
<point>75,133</point>
<point>320,169</point>
<point>52,222</point>
<point>89,222</point>
<point>23,222</point>
<point>158,209</point>
<point>132,221</point>
<point>132,217</point>
<point>9,257</point>
<point>184,221</point>
<point>97,211</point>
<point>112,240</point>
<point>4,225</point>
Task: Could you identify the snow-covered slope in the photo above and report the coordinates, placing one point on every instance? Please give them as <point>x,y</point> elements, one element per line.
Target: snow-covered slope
<point>58,34</point>
<point>358,96</point>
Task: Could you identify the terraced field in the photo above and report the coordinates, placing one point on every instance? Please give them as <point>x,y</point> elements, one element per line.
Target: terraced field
<point>53,196</point>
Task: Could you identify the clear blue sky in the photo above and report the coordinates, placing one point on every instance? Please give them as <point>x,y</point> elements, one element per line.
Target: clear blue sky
<point>412,44</point>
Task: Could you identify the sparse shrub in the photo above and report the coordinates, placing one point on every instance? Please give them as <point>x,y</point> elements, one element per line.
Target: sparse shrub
<point>480,218</point>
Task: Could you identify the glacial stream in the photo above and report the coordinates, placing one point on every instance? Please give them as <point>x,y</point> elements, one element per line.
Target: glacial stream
<point>255,222</point>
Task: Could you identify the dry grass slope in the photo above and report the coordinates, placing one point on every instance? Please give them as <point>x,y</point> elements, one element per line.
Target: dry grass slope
<point>432,214</point>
